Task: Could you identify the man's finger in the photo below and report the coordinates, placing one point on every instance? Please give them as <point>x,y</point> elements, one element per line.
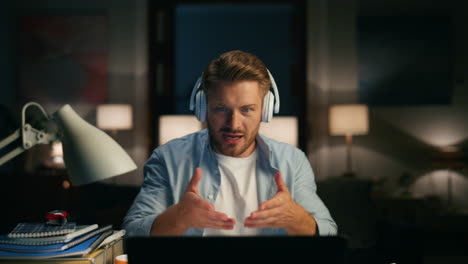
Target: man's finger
<point>280,183</point>
<point>215,216</point>
<point>264,214</point>
<point>193,184</point>
<point>220,225</point>
<point>275,201</point>
<point>219,221</point>
<point>260,223</point>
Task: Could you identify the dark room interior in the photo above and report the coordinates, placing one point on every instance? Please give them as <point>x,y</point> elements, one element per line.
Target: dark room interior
<point>398,195</point>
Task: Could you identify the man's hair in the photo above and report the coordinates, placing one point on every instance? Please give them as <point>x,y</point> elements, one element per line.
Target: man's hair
<point>235,66</point>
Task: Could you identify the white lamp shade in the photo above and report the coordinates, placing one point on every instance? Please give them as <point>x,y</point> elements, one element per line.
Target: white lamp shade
<point>350,119</point>
<point>114,116</point>
<point>281,128</point>
<point>89,153</point>
<point>174,126</point>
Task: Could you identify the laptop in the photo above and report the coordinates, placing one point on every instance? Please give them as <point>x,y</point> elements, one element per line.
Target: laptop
<point>268,249</point>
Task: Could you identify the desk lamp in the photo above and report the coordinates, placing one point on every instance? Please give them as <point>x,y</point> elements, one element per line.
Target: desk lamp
<point>349,120</point>
<point>89,153</point>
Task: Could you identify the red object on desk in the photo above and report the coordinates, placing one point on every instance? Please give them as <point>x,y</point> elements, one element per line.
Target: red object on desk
<point>56,217</point>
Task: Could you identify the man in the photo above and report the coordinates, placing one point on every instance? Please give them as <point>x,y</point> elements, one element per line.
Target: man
<point>228,179</point>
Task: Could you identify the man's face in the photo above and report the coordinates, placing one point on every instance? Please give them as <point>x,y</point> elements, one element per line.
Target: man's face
<point>233,117</point>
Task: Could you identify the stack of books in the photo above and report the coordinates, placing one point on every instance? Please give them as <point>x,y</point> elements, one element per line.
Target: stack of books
<point>42,241</point>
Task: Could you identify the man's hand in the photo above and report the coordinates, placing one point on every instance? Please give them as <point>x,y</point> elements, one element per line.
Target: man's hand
<point>194,211</point>
<point>281,211</point>
<point>191,211</point>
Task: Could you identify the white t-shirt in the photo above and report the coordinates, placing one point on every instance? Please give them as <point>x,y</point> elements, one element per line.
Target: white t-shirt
<point>237,196</point>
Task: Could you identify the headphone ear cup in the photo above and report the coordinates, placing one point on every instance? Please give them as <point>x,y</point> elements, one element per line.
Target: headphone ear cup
<point>200,103</point>
<point>268,103</point>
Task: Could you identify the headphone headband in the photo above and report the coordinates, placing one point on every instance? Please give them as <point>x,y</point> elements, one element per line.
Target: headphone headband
<point>194,91</point>
<point>196,88</point>
<point>275,91</point>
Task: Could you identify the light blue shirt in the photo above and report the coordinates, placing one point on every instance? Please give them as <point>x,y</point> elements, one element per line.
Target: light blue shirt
<point>171,166</point>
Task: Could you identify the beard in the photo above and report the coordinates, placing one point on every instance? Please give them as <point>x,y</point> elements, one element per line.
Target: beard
<point>240,148</point>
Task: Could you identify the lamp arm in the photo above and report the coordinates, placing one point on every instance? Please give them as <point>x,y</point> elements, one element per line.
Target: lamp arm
<point>12,137</point>
<point>25,107</point>
<point>10,155</point>
<point>15,152</point>
<point>30,136</point>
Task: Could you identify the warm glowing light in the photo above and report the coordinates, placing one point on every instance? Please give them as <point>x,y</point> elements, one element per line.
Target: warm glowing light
<point>349,120</point>
<point>281,128</point>
<point>114,116</point>
<point>57,153</point>
<point>434,126</point>
<point>175,126</point>
<point>440,136</point>
<point>66,184</point>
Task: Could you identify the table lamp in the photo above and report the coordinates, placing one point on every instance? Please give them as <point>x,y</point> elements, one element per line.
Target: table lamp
<point>449,159</point>
<point>114,117</point>
<point>89,153</point>
<point>349,120</point>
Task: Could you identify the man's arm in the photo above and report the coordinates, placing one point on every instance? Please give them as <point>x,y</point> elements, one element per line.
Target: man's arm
<point>191,211</point>
<point>153,211</point>
<point>282,211</point>
<point>304,223</point>
<point>304,215</point>
<point>305,194</point>
<point>167,224</point>
<point>153,199</point>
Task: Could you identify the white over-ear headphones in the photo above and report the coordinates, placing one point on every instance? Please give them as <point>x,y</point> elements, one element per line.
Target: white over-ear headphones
<point>271,102</point>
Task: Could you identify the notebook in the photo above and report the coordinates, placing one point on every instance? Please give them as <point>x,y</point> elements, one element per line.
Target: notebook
<point>79,230</point>
<point>117,234</point>
<point>79,250</point>
<point>41,230</point>
<point>54,247</point>
<point>261,249</point>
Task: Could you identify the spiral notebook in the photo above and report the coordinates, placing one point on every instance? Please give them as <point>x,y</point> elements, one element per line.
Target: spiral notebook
<point>41,230</point>
<point>79,230</point>
<point>54,247</point>
<point>78,250</point>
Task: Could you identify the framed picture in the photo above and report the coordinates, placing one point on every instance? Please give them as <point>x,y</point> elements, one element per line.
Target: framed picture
<point>62,58</point>
<point>405,60</point>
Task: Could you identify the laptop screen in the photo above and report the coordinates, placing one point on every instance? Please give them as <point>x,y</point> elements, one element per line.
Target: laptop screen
<point>220,249</point>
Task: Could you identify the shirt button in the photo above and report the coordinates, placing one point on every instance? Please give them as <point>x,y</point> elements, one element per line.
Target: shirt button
<point>210,196</point>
